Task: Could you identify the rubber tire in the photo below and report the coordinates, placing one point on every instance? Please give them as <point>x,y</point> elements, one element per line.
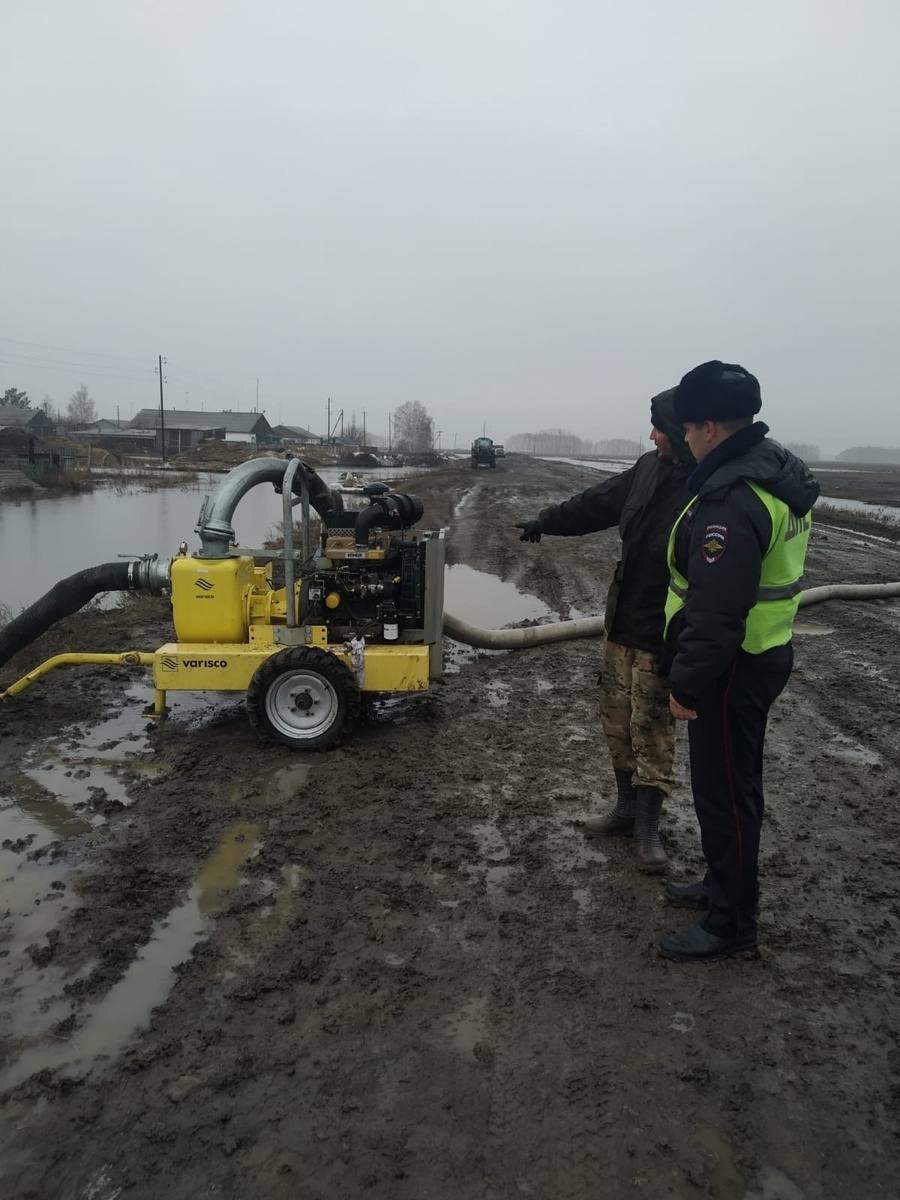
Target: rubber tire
<point>311,661</point>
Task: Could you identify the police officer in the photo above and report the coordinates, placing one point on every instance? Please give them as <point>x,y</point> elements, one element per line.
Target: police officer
<point>736,557</point>
<point>634,694</point>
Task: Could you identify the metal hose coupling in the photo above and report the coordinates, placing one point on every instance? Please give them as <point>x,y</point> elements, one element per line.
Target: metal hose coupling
<point>149,573</point>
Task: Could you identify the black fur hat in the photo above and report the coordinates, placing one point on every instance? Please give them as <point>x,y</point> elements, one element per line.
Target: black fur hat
<point>717,391</point>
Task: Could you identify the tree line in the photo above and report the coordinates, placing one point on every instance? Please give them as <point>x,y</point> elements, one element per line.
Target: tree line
<point>562,441</point>
<point>80,410</point>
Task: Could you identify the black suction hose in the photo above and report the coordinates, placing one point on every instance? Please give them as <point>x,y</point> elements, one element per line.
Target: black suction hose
<point>67,597</point>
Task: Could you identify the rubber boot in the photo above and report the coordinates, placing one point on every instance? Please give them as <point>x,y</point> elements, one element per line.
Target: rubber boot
<point>619,818</point>
<point>648,849</point>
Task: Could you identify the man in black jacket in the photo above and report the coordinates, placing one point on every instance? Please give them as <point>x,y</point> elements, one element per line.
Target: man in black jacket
<point>736,559</point>
<point>634,694</point>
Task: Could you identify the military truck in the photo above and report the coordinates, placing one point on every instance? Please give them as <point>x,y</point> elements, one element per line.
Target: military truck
<point>483,453</point>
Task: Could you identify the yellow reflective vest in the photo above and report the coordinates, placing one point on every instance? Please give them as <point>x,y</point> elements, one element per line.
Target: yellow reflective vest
<point>769,621</point>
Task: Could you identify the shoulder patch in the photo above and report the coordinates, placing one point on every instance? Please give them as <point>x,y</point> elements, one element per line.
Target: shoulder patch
<point>715,539</point>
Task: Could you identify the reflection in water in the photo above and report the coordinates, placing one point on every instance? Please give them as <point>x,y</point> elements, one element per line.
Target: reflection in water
<point>220,873</point>
<point>106,1026</point>
<point>485,600</point>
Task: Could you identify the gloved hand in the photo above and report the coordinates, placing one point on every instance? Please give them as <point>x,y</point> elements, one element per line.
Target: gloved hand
<point>531,531</point>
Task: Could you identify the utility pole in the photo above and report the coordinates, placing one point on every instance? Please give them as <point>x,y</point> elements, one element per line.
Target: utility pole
<point>118,422</point>
<point>364,427</point>
<point>162,410</point>
<point>328,427</point>
<point>389,433</point>
<point>257,396</point>
<point>342,424</point>
<point>439,432</point>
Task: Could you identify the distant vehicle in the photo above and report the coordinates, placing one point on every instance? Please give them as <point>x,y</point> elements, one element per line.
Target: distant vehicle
<point>499,451</point>
<point>483,453</point>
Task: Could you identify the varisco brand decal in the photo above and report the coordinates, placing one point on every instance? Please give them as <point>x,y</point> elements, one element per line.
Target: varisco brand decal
<point>204,662</point>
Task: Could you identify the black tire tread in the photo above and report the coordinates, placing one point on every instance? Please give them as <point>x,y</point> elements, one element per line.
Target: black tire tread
<point>308,658</point>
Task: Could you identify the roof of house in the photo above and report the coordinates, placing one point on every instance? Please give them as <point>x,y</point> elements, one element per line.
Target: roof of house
<point>12,415</point>
<point>296,432</point>
<point>231,422</point>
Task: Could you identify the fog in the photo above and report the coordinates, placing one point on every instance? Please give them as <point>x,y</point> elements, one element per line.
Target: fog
<point>522,214</point>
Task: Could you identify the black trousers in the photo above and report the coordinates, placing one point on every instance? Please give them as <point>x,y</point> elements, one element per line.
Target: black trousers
<point>726,745</point>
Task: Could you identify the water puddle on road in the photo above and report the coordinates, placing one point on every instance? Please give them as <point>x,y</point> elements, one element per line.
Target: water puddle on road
<point>493,869</point>
<point>274,915</point>
<point>286,783</point>
<point>105,1028</point>
<point>487,601</point>
<point>727,1181</point>
<point>49,804</point>
<point>467,1027</point>
<point>810,628</point>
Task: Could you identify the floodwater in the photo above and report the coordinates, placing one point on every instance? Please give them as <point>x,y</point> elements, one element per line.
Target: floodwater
<point>46,539</point>
<point>878,512</point>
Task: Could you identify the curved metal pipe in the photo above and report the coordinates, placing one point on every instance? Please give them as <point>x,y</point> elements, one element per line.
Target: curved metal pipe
<point>214,523</point>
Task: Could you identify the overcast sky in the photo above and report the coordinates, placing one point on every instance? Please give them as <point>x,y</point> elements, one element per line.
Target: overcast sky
<point>524,214</point>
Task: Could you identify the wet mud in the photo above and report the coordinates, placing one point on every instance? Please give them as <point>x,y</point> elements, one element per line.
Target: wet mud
<point>398,969</point>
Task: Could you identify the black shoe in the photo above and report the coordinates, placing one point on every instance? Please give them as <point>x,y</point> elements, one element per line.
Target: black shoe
<point>689,895</point>
<point>698,945</point>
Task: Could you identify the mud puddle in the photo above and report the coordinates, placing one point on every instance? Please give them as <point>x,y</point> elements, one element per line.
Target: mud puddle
<point>103,1029</point>
<point>50,803</point>
<point>482,599</point>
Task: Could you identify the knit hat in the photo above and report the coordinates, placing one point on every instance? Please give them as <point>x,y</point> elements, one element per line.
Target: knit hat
<point>662,417</point>
<point>717,391</point>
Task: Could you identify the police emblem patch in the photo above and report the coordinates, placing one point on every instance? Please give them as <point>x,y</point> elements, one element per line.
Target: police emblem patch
<point>715,539</point>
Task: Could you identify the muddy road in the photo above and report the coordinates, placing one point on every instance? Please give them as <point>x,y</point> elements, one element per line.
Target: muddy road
<point>398,970</point>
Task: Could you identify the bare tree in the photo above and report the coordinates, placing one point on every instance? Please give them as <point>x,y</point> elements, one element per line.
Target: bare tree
<point>413,428</point>
<point>47,408</point>
<point>81,408</point>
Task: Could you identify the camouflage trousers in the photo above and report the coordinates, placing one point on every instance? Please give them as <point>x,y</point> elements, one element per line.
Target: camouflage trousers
<point>634,713</point>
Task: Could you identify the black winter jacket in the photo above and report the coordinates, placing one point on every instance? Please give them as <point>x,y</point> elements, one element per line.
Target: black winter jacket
<point>644,502</point>
<point>707,634</point>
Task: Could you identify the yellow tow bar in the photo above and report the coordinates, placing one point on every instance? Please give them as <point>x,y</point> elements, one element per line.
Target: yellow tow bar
<point>130,658</point>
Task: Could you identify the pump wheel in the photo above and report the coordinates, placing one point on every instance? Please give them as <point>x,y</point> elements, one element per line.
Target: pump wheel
<point>304,698</point>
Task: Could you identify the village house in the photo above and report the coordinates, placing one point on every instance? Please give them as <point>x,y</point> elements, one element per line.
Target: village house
<point>185,429</point>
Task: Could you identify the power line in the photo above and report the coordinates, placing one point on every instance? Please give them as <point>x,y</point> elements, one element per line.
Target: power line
<point>71,368</point>
<point>36,359</point>
<point>83,353</point>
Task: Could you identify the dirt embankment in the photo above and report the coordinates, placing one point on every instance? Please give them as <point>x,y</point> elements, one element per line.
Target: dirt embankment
<point>398,970</point>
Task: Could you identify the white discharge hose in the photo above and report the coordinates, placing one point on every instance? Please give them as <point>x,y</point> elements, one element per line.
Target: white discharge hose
<point>587,627</point>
